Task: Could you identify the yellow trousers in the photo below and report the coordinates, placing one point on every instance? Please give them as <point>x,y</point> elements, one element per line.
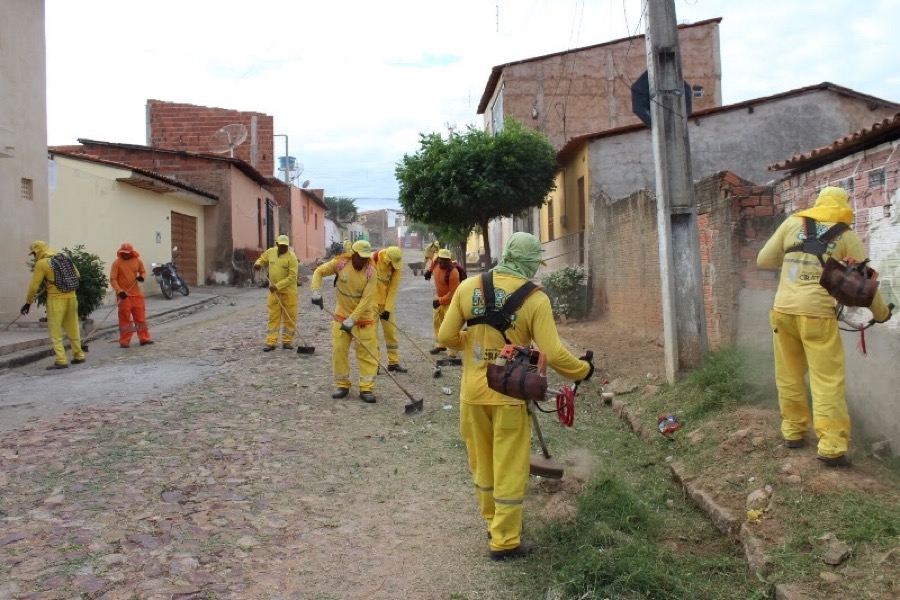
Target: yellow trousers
<point>389,331</point>
<point>282,314</point>
<point>437,318</point>
<point>498,441</point>
<point>811,345</point>
<point>366,337</point>
<point>62,313</point>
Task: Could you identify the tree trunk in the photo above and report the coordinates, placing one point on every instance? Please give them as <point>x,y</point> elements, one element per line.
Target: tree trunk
<point>487,241</point>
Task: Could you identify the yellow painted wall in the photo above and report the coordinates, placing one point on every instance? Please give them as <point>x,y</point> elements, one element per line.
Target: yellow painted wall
<point>565,197</point>
<point>89,207</point>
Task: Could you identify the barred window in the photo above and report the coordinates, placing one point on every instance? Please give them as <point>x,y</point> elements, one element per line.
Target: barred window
<point>876,177</point>
<point>27,189</point>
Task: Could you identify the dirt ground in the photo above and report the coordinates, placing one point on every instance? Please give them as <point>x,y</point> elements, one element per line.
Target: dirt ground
<point>248,481</point>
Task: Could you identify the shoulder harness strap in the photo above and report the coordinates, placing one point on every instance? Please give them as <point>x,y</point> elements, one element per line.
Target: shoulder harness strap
<point>501,319</point>
<point>817,245</point>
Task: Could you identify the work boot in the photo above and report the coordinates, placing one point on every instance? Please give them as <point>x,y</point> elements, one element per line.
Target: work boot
<point>397,369</point>
<point>522,550</point>
<point>287,347</point>
<point>367,397</point>
<point>835,461</point>
<point>268,348</point>
<point>146,342</point>
<point>794,444</point>
<point>437,350</point>
<point>55,366</point>
<point>77,361</point>
<point>340,393</point>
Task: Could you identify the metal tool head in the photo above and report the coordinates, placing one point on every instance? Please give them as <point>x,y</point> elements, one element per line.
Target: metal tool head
<point>414,406</point>
<point>306,350</point>
<point>547,468</point>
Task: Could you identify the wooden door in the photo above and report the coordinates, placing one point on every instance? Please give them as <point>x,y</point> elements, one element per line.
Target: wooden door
<point>184,235</point>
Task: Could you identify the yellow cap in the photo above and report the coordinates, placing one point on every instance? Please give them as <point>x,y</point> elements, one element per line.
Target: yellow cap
<point>395,255</point>
<point>283,240</point>
<point>363,248</point>
<point>444,253</point>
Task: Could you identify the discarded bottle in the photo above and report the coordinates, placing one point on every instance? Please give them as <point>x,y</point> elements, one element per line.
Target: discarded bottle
<point>667,424</point>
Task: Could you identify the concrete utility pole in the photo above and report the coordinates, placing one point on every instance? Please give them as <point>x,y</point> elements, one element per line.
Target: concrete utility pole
<point>684,322</point>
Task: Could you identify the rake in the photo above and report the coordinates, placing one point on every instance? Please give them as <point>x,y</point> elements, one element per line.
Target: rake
<point>304,349</point>
<point>437,366</point>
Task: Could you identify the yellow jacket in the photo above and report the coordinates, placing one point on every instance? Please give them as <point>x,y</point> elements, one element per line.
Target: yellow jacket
<point>43,272</point>
<point>799,292</point>
<point>388,284</point>
<point>354,292</point>
<point>481,344</point>
<point>282,269</point>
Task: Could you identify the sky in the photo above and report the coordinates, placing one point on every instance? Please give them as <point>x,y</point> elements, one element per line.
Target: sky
<point>353,84</point>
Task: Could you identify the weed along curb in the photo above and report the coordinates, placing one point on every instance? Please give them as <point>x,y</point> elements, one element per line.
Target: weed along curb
<point>723,519</point>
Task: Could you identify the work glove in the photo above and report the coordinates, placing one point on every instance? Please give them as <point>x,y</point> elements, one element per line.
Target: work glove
<point>890,308</point>
<point>347,325</point>
<point>257,267</point>
<point>317,300</point>
<point>435,304</point>
<point>140,278</point>
<point>273,289</point>
<point>25,309</point>
<point>427,275</point>
<point>385,315</point>
<point>123,295</point>
<point>589,359</point>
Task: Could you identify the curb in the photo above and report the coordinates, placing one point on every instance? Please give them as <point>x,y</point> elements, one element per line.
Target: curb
<point>723,519</point>
<point>30,355</point>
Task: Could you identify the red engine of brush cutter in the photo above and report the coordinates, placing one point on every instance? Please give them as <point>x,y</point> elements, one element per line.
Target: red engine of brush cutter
<point>519,372</point>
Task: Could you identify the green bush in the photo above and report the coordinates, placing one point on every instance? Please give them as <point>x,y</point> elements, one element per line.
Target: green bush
<point>92,283</point>
<point>565,287</point>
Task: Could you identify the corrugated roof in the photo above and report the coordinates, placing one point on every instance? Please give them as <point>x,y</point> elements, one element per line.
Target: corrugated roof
<point>149,180</point>
<point>497,71</point>
<point>573,144</point>
<point>883,131</point>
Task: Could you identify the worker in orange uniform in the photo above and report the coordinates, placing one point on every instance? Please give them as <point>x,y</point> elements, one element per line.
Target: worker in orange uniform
<point>389,271</point>
<point>496,428</point>
<point>283,298</point>
<point>354,318</point>
<point>125,273</point>
<point>446,280</point>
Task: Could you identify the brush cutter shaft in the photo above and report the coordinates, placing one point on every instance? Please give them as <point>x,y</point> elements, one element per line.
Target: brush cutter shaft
<point>537,430</point>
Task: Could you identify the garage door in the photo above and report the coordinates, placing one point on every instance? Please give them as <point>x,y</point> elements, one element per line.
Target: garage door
<point>184,235</point>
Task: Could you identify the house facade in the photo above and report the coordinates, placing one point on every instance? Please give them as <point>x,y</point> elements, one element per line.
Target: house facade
<point>578,91</point>
<point>237,229</point>
<point>24,199</point>
<point>100,204</point>
<point>308,223</point>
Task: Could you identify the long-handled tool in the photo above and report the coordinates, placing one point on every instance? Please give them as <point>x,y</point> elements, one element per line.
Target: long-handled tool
<point>437,367</point>
<point>10,324</point>
<point>301,349</point>
<point>543,466</point>
<point>87,337</point>
<point>415,404</point>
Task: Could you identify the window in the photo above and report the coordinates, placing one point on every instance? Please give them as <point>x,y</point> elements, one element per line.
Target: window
<point>697,91</point>
<point>876,177</point>
<point>316,220</point>
<point>305,217</point>
<point>846,183</point>
<point>27,189</point>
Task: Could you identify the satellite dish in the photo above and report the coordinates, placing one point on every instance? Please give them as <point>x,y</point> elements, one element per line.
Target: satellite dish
<point>227,139</point>
<point>305,184</point>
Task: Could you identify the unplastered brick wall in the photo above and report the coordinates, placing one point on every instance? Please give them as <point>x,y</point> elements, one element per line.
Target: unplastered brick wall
<point>734,219</point>
<point>187,127</point>
<point>872,180</point>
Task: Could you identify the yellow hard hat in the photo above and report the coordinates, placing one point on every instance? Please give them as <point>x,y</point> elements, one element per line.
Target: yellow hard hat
<point>283,240</point>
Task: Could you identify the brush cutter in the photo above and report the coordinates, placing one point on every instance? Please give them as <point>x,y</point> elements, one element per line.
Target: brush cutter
<point>437,366</point>
<point>301,349</point>
<point>543,466</point>
<point>415,404</point>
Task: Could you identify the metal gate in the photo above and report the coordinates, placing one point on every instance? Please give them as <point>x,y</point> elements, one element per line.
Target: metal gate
<point>184,235</point>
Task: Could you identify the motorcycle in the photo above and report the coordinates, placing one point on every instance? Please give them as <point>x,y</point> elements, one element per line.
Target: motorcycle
<point>168,278</point>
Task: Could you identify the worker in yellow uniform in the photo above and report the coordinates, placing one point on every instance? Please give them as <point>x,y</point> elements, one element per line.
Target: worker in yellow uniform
<point>496,428</point>
<point>446,280</point>
<point>389,271</point>
<point>283,298</point>
<point>431,251</point>
<point>354,318</point>
<point>62,307</point>
<point>805,332</point>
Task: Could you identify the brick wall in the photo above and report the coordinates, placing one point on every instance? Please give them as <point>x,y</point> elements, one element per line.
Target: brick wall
<point>734,218</point>
<point>187,127</point>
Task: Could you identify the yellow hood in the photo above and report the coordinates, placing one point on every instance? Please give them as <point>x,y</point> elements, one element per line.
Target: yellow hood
<point>40,250</point>
<point>831,207</point>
